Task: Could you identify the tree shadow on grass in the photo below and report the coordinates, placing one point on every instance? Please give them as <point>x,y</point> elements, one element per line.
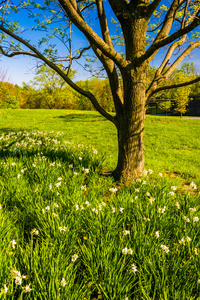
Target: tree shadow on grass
<point>82,118</point>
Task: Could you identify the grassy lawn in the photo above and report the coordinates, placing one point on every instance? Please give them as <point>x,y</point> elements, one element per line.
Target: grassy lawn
<point>68,233</point>
<point>172,144</point>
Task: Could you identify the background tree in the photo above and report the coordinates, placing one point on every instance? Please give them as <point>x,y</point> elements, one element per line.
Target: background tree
<point>145,27</point>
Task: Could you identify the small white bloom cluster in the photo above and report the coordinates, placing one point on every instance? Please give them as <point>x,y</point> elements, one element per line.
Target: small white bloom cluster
<point>34,231</point>
<point>14,243</point>
<point>182,241</point>
<point>162,210</point>
<point>62,229</point>
<point>186,219</point>
<point>74,257</point>
<point>126,232</point>
<point>165,248</point>
<point>193,185</point>
<point>157,234</point>
<point>18,279</point>
<point>113,190</point>
<point>63,282</point>
<point>134,268</point>
<point>126,251</point>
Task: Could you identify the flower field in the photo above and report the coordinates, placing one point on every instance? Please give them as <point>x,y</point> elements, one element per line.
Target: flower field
<point>69,233</point>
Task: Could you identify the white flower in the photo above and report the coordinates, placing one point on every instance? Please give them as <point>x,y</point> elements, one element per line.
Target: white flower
<point>196,251</point>
<point>193,185</point>
<point>18,280</point>
<point>87,203</point>
<point>195,219</point>
<point>75,173</point>
<point>124,251</point>
<point>182,241</point>
<point>151,200</point>
<point>192,209</point>
<point>59,178</point>
<point>137,190</point>
<point>27,288</point>
<point>113,209</point>
<point>113,190</point>
<point>13,164</point>
<point>62,229</point>
<point>177,205</point>
<point>74,257</point>
<point>13,242</point>
<point>157,234</point>
<point>134,268</point>
<point>160,174</point>
<point>5,289</point>
<point>34,165</point>
<point>121,209</point>
<point>47,208</point>
<point>150,171</point>
<point>71,166</point>
<point>58,184</point>
<point>147,194</point>
<point>22,170</point>
<point>188,239</point>
<point>186,219</point>
<point>171,193</point>
<point>34,231</point>
<point>63,282</point>
<point>77,206</point>
<point>174,188</point>
<point>95,151</point>
<point>50,186</point>
<point>130,251</point>
<point>145,172</point>
<point>56,205</point>
<point>83,188</point>
<point>18,175</point>
<point>125,232</point>
<point>165,248</point>
<point>87,171</point>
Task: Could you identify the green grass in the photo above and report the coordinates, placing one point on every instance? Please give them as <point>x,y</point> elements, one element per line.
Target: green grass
<point>76,237</point>
<point>172,144</point>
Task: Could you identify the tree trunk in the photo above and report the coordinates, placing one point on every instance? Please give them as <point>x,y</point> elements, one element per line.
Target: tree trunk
<point>130,126</point>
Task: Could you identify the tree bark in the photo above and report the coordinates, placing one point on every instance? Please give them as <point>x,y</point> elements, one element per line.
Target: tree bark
<point>130,126</point>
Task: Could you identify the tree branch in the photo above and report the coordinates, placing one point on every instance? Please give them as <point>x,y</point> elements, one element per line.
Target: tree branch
<point>173,86</point>
<point>62,74</point>
<point>15,53</point>
<point>153,48</point>
<point>90,34</point>
<point>152,7</point>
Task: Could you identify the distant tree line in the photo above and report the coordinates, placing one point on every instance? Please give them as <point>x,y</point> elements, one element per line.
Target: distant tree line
<point>48,91</point>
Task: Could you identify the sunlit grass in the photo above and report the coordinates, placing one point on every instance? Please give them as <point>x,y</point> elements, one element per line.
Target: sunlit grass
<point>172,144</point>
<point>69,233</point>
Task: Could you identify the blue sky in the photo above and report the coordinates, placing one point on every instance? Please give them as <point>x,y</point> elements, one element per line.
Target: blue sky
<point>21,69</point>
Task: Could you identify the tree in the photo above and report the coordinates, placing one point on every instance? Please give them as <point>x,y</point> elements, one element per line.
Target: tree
<point>144,28</point>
